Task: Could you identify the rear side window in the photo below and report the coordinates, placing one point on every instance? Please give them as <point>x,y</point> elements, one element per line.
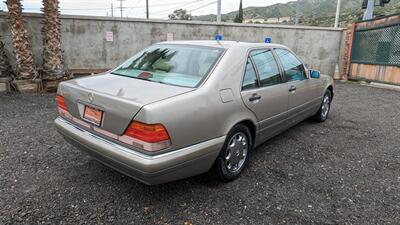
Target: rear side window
<point>267,68</point>
<point>294,69</point>
<point>250,77</point>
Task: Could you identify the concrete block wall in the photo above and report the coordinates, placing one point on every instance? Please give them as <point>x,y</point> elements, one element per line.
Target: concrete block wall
<point>85,45</point>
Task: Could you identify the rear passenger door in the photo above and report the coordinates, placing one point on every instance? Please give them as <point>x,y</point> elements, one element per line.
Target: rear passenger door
<point>264,92</point>
<point>299,86</point>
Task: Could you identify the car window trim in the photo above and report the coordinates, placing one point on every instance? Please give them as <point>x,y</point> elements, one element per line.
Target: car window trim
<point>258,74</point>
<point>283,68</point>
<point>255,71</point>
<point>244,75</point>
<point>280,66</point>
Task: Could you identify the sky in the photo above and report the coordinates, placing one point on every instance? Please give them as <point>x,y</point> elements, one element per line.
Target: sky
<point>159,9</point>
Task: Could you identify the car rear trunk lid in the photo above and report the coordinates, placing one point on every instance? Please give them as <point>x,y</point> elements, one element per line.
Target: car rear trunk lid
<point>118,97</point>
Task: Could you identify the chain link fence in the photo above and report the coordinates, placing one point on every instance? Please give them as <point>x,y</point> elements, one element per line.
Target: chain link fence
<point>377,45</point>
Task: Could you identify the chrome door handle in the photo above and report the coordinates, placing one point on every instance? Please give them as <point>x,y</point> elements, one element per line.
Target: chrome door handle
<point>255,97</point>
<point>292,88</point>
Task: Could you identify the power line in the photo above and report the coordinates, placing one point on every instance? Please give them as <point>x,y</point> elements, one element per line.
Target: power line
<point>134,5</point>
<point>203,6</point>
<point>126,7</point>
<point>167,11</point>
<point>198,3</point>
<point>137,3</point>
<point>181,5</point>
<point>178,4</point>
<point>194,9</point>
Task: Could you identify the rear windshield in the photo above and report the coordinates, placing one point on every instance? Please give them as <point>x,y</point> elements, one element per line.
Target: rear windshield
<point>171,64</point>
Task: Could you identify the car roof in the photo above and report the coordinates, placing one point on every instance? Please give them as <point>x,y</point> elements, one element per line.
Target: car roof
<point>222,44</point>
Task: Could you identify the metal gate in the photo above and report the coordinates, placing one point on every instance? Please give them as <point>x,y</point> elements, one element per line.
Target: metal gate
<point>375,51</point>
<point>377,45</point>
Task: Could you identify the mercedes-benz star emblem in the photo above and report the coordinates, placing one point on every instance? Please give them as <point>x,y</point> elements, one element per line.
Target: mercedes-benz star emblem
<point>90,97</point>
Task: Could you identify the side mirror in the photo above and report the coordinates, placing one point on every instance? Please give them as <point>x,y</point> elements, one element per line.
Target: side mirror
<point>315,74</point>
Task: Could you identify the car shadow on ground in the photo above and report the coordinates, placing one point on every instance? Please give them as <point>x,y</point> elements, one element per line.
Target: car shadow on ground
<point>206,179</point>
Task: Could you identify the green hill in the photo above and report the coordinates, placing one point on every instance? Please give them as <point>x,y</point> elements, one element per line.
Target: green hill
<point>313,12</point>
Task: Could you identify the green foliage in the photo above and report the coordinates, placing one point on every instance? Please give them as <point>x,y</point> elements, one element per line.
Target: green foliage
<point>180,14</point>
<point>239,16</point>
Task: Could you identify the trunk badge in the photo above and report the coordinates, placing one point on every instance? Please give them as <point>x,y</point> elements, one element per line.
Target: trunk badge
<point>90,97</point>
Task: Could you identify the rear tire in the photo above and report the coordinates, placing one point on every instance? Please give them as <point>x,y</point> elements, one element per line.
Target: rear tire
<point>234,155</point>
<point>325,108</point>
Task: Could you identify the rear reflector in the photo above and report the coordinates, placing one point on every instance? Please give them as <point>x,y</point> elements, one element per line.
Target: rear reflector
<point>151,133</point>
<point>61,103</point>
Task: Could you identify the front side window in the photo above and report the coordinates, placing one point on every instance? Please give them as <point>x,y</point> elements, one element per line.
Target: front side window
<point>171,64</point>
<point>250,77</point>
<point>267,68</point>
<point>294,69</point>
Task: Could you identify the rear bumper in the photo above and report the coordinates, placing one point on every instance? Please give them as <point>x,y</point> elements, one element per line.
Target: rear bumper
<point>178,164</point>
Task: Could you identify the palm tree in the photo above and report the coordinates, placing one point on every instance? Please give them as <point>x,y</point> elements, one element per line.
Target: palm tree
<point>25,65</point>
<point>53,63</point>
<point>5,67</point>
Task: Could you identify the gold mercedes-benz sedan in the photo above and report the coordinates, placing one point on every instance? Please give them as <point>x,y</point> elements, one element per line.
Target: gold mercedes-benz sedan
<point>182,108</point>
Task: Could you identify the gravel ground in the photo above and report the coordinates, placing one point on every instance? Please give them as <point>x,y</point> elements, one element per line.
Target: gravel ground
<point>343,171</point>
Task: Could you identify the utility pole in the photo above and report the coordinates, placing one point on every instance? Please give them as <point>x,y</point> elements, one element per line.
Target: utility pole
<point>147,9</point>
<point>219,11</point>
<point>369,12</point>
<point>112,10</point>
<point>297,12</point>
<point>120,6</point>
<point>337,13</point>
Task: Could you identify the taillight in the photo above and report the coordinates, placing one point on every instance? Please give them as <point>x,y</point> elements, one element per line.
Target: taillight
<point>61,103</point>
<point>151,133</point>
<point>150,137</point>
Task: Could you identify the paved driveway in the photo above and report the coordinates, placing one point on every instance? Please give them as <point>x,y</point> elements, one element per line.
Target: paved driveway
<point>344,171</point>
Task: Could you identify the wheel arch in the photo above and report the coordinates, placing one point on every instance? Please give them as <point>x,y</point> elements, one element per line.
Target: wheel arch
<point>330,88</point>
<point>251,126</point>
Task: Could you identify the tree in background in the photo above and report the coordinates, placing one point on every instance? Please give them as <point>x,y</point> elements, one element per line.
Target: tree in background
<point>180,14</point>
<point>25,65</point>
<point>53,63</point>
<point>239,16</point>
<point>5,67</point>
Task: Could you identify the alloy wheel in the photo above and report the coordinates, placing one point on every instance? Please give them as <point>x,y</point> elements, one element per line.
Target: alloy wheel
<point>236,152</point>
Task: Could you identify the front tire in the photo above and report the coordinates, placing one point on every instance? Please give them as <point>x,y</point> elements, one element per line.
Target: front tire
<point>325,107</point>
<point>234,155</point>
